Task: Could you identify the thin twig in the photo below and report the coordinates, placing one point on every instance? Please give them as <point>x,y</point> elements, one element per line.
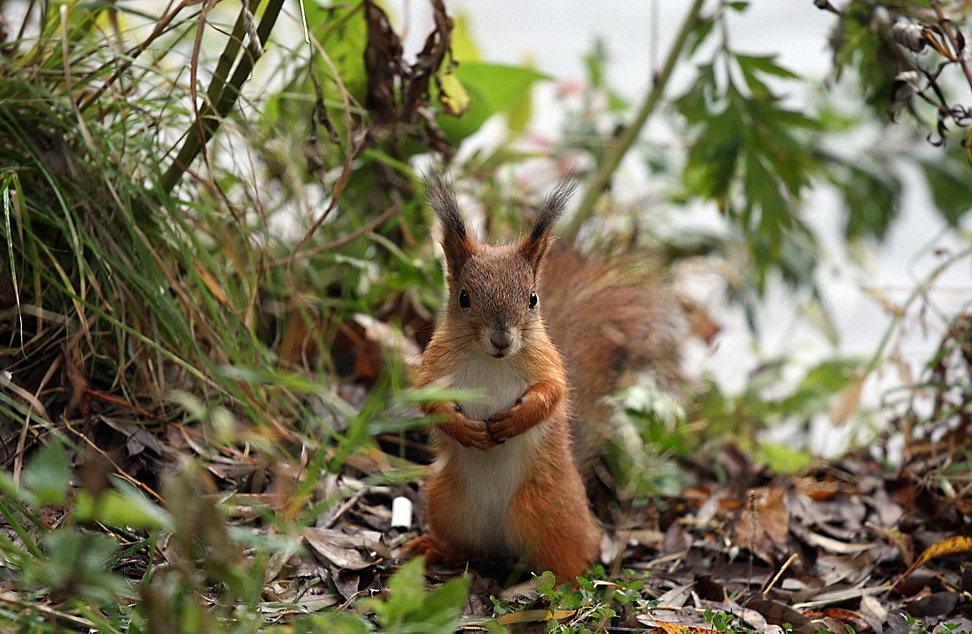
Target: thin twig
<point>779,574</point>
<point>162,26</point>
<point>219,106</point>
<point>351,149</point>
<point>118,468</point>
<point>616,151</point>
<point>946,25</point>
<point>303,253</point>
<point>12,598</point>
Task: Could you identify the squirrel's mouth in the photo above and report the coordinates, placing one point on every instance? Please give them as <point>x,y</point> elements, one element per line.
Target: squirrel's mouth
<point>500,344</point>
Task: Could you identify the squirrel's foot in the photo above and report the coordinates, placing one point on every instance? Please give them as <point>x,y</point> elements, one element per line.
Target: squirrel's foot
<point>422,546</point>
<point>431,550</point>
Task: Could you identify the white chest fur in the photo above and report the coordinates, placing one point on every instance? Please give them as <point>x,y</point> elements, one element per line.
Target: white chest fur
<point>490,478</point>
<point>497,381</point>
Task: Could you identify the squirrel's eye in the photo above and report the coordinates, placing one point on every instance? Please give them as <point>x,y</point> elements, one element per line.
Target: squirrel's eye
<point>533,300</point>
<point>463,299</point>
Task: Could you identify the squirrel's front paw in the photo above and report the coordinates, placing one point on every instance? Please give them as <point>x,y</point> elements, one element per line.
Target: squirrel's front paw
<point>470,433</point>
<point>503,425</point>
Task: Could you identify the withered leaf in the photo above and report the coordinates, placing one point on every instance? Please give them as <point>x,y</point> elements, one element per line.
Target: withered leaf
<point>947,546</point>
<point>780,614</point>
<point>764,525</point>
<point>534,616</point>
<point>934,605</point>
<point>337,548</point>
<point>452,94</point>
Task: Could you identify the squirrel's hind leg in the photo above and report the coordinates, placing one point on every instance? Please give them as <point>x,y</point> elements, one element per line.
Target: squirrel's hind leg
<point>447,519</point>
<point>556,533</point>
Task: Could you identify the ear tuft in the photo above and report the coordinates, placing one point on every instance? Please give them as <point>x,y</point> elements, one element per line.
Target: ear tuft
<point>456,243</point>
<point>535,244</point>
<point>442,199</point>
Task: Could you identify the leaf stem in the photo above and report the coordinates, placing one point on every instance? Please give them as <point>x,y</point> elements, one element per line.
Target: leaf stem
<point>620,147</point>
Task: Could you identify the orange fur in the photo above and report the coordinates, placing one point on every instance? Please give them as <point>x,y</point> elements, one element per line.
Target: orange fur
<point>504,481</point>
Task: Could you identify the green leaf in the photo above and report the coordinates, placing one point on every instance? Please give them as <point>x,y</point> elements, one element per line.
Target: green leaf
<point>519,114</point>
<point>452,95</point>
<point>765,64</point>
<point>782,459</point>
<point>594,62</point>
<point>701,33</point>
<point>77,566</point>
<point>463,45</point>
<point>492,88</point>
<point>126,507</point>
<point>332,623</point>
<point>343,32</point>
<point>442,606</point>
<point>871,198</point>
<point>950,183</point>
<point>409,609</point>
<point>48,475</point>
<point>405,591</point>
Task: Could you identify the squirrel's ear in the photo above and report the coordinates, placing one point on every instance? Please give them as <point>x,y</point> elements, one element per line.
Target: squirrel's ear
<point>456,243</point>
<point>534,245</point>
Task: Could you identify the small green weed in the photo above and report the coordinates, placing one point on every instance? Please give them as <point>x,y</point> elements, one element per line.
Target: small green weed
<point>409,608</point>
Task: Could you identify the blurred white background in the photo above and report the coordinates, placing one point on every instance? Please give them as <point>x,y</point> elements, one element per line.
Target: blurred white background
<point>860,296</point>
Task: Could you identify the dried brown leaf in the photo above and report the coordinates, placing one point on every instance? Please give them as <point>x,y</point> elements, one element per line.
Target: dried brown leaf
<point>764,526</point>
<point>947,546</point>
<point>817,490</point>
<point>535,616</point>
<point>899,540</point>
<point>846,404</point>
<point>337,548</point>
<point>937,604</point>
<point>873,608</point>
<point>210,281</point>
<point>835,545</point>
<point>674,628</point>
<point>851,618</point>
<point>677,596</point>
<point>779,614</point>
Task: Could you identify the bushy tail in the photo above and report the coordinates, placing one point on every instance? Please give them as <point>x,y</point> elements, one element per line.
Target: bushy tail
<point>611,318</point>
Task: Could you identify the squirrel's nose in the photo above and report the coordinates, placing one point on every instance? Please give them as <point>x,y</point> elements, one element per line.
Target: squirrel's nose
<point>501,340</point>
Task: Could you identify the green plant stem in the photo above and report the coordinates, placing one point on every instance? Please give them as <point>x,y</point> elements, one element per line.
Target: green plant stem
<point>219,106</point>
<point>617,150</point>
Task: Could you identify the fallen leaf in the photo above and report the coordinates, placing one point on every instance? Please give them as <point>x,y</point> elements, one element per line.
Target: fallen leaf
<point>938,605</point>
<point>336,548</point>
<point>848,402</point>
<point>872,607</point>
<point>817,490</point>
<point>947,546</point>
<point>674,628</point>
<point>534,616</point>
<point>779,614</point>
<point>835,545</point>
<point>677,596</point>
<point>764,526</point>
<point>849,617</point>
<point>899,540</point>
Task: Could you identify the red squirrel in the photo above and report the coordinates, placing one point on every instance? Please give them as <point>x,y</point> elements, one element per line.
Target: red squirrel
<point>505,480</point>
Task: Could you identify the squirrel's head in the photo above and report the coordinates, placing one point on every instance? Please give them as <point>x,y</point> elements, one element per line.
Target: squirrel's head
<point>493,302</point>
